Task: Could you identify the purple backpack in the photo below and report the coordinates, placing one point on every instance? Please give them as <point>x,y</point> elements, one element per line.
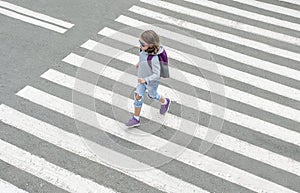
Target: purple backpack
<point>163,60</point>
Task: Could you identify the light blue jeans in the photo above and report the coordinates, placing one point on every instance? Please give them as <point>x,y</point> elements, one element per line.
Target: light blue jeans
<point>141,89</point>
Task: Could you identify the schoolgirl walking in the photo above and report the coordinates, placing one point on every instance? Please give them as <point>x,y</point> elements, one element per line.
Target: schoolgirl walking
<point>153,64</point>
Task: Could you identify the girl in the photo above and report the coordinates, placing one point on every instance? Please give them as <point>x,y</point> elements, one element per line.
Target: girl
<point>148,76</point>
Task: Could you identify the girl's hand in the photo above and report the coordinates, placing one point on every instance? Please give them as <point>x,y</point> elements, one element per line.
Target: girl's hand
<point>137,65</point>
<point>141,80</point>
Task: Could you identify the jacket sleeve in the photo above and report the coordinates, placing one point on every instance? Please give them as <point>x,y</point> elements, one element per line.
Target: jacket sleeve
<point>155,71</point>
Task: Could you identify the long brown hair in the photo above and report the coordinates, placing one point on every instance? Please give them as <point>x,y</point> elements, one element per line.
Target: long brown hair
<point>150,37</point>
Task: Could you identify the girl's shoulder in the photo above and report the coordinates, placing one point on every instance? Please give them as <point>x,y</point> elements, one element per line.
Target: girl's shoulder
<point>161,49</point>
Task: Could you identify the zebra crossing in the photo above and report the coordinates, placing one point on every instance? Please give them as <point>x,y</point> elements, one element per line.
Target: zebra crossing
<point>250,124</point>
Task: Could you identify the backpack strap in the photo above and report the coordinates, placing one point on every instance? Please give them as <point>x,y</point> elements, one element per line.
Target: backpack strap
<point>149,58</point>
<point>163,58</point>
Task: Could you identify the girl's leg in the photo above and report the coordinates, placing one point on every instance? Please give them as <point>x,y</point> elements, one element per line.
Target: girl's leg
<point>137,110</point>
<point>165,102</point>
<point>153,94</point>
<point>138,102</point>
<point>162,100</point>
<point>139,98</point>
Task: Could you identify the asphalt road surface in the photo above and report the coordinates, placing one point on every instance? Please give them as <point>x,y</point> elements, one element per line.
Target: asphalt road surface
<point>66,89</point>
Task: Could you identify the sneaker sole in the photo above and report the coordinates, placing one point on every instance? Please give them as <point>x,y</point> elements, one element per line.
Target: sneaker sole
<point>134,125</point>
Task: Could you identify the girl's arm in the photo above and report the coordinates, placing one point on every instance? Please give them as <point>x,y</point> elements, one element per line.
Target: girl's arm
<point>155,71</point>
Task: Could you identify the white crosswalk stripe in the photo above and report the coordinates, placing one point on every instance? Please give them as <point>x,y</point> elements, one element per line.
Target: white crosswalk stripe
<point>28,16</point>
<point>271,123</point>
<point>296,2</point>
<point>6,187</point>
<point>32,21</point>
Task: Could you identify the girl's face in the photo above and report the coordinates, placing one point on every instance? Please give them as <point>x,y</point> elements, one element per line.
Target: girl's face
<point>143,45</point>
